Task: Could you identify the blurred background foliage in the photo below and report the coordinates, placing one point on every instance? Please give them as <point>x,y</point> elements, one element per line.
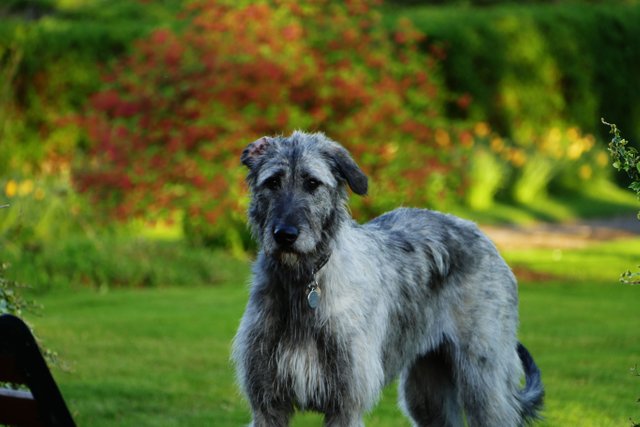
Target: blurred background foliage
<point>121,121</point>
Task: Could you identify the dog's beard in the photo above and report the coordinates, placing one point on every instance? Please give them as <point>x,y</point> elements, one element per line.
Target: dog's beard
<point>297,261</point>
<point>289,259</point>
<point>290,269</point>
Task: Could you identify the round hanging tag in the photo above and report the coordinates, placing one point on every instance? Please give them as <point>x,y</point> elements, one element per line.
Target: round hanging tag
<point>313,299</point>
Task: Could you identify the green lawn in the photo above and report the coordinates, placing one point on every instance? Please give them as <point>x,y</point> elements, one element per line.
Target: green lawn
<point>160,357</point>
<point>603,262</point>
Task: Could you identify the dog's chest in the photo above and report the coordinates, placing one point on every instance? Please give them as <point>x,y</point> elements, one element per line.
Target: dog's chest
<point>312,369</point>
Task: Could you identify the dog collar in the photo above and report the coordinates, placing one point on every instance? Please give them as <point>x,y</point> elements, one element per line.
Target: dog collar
<point>313,288</point>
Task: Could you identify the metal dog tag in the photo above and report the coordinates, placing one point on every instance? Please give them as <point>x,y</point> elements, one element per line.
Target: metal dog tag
<point>313,298</point>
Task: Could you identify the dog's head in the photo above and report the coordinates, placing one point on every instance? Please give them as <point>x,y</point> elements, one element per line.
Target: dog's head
<point>298,185</point>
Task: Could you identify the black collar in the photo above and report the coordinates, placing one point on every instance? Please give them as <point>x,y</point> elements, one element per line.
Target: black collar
<point>313,288</point>
<point>321,263</point>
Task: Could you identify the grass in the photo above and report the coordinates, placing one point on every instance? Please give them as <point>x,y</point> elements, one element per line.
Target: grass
<point>97,261</point>
<point>600,263</point>
<point>147,357</point>
<point>584,338</point>
<point>160,357</point>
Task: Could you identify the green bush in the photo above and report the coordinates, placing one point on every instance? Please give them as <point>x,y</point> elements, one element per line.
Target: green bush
<point>526,67</point>
<point>498,2</point>
<point>11,299</point>
<point>625,159</point>
<point>539,77</point>
<point>556,160</point>
<point>51,53</point>
<point>166,129</point>
<point>487,175</point>
<point>113,260</point>
<point>520,71</point>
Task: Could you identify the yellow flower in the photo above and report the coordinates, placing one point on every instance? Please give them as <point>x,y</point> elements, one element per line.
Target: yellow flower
<point>481,129</point>
<point>497,144</point>
<point>573,133</point>
<point>602,159</point>
<point>585,172</point>
<point>442,138</point>
<point>554,136</point>
<point>25,188</point>
<point>575,150</point>
<point>11,188</point>
<point>518,158</point>
<point>389,151</point>
<point>589,141</point>
<point>552,143</point>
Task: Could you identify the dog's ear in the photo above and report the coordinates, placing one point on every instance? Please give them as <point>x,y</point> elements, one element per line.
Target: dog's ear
<point>349,170</point>
<point>254,151</point>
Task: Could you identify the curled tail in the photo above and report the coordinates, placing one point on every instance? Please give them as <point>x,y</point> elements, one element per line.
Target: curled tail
<point>532,395</point>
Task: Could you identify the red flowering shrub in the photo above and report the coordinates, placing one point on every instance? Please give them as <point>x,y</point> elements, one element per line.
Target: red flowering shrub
<point>168,127</point>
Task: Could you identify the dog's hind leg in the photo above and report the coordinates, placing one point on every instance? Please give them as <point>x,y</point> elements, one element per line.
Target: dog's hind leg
<point>489,389</point>
<point>428,392</point>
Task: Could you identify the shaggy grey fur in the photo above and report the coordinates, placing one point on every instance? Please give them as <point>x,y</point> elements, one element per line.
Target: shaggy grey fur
<point>413,294</point>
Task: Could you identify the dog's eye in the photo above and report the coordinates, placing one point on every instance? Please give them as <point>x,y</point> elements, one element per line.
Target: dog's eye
<point>272,183</point>
<point>310,184</point>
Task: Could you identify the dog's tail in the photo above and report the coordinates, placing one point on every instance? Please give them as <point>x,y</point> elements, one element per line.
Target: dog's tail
<point>532,395</point>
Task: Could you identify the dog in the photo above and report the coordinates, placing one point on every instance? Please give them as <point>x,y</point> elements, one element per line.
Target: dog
<point>337,310</point>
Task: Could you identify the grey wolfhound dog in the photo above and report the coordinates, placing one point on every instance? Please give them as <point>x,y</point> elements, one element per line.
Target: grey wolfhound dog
<point>337,310</point>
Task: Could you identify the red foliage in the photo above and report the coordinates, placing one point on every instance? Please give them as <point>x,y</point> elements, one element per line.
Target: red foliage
<point>168,127</point>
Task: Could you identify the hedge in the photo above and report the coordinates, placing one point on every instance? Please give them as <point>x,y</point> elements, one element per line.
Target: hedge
<point>501,107</point>
<point>526,67</point>
<point>59,48</point>
<point>166,128</point>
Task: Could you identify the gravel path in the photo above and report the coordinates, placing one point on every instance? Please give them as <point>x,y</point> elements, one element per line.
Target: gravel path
<point>564,235</point>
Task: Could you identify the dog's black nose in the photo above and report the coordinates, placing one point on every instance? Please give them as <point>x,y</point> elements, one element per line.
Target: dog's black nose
<point>285,235</point>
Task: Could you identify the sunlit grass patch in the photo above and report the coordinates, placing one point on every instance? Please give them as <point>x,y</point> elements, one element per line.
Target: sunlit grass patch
<point>601,262</point>
<point>160,357</point>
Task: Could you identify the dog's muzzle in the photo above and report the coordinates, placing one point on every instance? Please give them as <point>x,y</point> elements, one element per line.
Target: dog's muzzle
<point>285,235</point>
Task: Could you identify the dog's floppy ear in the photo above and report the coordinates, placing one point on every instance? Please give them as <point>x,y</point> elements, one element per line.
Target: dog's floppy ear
<point>254,151</point>
<point>349,170</point>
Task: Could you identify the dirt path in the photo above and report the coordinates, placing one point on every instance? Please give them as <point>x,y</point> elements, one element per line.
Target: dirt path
<point>564,236</point>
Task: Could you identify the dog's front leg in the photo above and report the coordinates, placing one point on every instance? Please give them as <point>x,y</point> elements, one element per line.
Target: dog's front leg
<point>270,406</point>
<point>345,419</point>
<point>271,417</point>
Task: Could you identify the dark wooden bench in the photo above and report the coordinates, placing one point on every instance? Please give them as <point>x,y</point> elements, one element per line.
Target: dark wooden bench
<point>21,363</point>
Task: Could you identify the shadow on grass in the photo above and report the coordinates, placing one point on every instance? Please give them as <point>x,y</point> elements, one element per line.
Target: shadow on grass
<point>600,201</point>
